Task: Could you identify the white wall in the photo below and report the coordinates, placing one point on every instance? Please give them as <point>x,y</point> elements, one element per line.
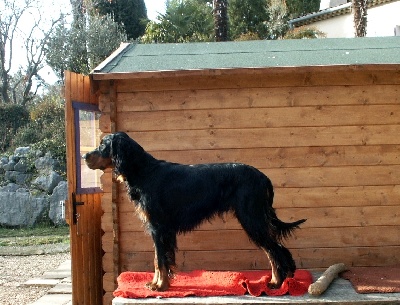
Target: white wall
<point>381,22</point>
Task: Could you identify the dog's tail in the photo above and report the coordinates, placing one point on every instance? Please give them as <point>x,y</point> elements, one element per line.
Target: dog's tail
<point>282,230</point>
<point>278,228</point>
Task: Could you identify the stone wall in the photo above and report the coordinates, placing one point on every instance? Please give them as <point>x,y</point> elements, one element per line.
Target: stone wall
<point>31,189</point>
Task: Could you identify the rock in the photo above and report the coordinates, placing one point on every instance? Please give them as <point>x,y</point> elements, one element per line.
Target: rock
<point>22,209</point>
<point>47,163</point>
<point>47,182</point>
<point>22,178</point>
<point>23,202</point>
<point>11,187</point>
<point>56,211</point>
<point>10,165</point>
<point>22,151</point>
<point>10,176</point>
<point>21,166</point>
<point>13,158</point>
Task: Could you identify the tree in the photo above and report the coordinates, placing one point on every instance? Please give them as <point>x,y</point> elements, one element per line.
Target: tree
<point>21,87</point>
<point>183,21</point>
<point>81,47</point>
<point>301,7</point>
<point>360,17</point>
<point>45,131</point>
<point>131,14</point>
<point>278,19</point>
<point>304,32</point>
<point>12,117</point>
<point>221,19</point>
<point>248,17</point>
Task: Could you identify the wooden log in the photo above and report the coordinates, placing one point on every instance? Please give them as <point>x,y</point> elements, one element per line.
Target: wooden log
<point>323,282</point>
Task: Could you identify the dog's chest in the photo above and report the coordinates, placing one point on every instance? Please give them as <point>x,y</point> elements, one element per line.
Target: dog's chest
<point>142,213</point>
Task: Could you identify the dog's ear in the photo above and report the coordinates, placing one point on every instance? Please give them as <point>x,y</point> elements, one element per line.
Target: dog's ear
<point>119,154</point>
<point>127,156</point>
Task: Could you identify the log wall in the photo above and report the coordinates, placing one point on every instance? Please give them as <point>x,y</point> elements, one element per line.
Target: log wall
<point>328,138</point>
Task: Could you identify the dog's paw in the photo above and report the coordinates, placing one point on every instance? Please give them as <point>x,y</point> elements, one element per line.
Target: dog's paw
<point>273,285</point>
<point>157,286</point>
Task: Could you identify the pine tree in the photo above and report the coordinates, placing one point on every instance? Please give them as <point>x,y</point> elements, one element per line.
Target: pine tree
<point>132,14</point>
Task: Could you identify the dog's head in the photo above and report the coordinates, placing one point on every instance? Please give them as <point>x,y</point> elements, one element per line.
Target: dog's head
<point>101,157</point>
<point>116,151</point>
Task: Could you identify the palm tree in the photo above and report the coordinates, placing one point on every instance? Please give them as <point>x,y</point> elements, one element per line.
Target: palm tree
<point>220,19</point>
<point>360,17</point>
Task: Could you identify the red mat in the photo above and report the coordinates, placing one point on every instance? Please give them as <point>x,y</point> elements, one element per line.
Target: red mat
<point>209,283</point>
<point>374,279</point>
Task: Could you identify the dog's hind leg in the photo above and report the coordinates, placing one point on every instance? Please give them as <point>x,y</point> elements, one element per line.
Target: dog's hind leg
<point>257,227</point>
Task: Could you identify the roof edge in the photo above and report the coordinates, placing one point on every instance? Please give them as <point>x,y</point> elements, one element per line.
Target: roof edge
<point>231,71</point>
<point>114,55</point>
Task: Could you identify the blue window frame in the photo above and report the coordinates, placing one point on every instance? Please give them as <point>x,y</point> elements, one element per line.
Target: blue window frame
<point>87,137</point>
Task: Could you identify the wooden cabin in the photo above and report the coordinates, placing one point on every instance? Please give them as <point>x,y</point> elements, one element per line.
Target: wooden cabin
<point>321,118</point>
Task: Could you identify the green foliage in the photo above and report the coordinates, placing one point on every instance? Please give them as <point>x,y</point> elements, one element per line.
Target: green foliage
<point>248,36</point>
<point>131,14</point>
<point>103,37</point>
<point>304,32</point>
<point>38,235</point>
<point>183,21</point>
<point>12,117</point>
<point>83,46</point>
<point>46,128</point>
<point>248,17</point>
<point>192,20</point>
<point>31,232</point>
<point>298,8</point>
<point>278,23</point>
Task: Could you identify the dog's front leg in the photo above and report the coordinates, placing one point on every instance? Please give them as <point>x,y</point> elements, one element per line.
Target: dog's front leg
<point>153,284</point>
<point>160,280</point>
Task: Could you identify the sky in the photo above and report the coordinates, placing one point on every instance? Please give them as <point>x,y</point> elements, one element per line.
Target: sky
<point>154,7</point>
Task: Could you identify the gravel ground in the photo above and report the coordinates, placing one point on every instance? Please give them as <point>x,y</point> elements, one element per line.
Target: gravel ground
<point>16,270</point>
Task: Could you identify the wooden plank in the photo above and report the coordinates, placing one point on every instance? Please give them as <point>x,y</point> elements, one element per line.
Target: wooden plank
<point>341,176</point>
<point>85,234</point>
<point>335,176</point>
<point>260,117</point>
<point>98,274</point>
<point>245,98</point>
<point>108,297</point>
<point>277,157</point>
<point>267,137</point>
<point>70,144</point>
<point>318,217</point>
<point>108,262</point>
<point>271,78</point>
<point>285,198</point>
<point>316,258</point>
<point>339,237</point>
<point>108,282</point>
<point>337,196</point>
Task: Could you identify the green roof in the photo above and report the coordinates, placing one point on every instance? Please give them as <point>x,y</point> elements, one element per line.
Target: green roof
<point>136,58</point>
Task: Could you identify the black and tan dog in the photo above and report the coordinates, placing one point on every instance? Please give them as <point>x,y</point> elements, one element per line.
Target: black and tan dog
<point>174,198</point>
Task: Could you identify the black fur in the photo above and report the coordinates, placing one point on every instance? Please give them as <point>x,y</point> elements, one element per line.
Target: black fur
<point>177,198</point>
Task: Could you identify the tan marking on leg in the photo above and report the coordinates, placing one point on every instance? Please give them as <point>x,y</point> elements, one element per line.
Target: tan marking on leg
<point>163,280</point>
<point>275,282</point>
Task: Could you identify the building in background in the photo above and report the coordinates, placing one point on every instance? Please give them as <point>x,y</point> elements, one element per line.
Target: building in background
<point>335,18</point>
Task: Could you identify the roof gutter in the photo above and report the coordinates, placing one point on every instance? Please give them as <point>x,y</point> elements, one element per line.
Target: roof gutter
<point>320,15</point>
